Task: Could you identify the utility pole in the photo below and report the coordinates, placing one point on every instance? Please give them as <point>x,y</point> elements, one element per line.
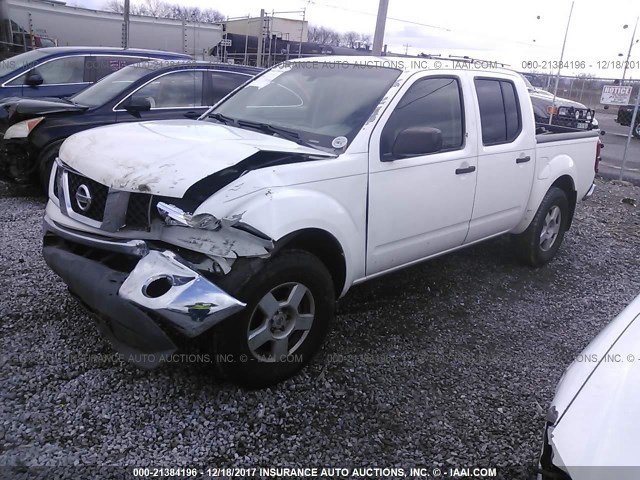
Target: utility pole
<point>564,43</point>
<point>631,127</point>
<point>378,36</point>
<point>406,48</point>
<point>5,27</point>
<point>246,41</point>
<point>626,64</point>
<point>260,39</point>
<point>304,16</point>
<point>125,32</point>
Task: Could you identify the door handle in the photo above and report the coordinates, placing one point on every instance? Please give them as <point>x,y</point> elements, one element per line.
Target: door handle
<point>523,159</point>
<point>192,115</point>
<point>461,171</point>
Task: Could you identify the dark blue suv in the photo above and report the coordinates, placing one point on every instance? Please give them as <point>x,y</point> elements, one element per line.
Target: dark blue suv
<point>63,71</point>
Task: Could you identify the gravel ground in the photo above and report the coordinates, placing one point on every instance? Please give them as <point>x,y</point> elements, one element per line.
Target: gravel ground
<point>450,363</point>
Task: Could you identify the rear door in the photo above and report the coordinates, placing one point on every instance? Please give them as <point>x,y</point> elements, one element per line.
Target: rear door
<point>421,205</point>
<point>506,156</point>
<point>218,84</point>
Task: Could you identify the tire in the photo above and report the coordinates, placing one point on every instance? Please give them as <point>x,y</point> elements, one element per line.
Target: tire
<point>636,130</point>
<point>46,165</point>
<point>550,221</point>
<point>285,334</point>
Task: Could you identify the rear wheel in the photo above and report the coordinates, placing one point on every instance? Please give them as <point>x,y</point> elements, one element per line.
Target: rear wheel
<point>636,130</point>
<point>290,306</point>
<point>538,244</point>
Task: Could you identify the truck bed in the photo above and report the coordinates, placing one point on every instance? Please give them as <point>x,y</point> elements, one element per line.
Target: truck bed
<point>546,133</point>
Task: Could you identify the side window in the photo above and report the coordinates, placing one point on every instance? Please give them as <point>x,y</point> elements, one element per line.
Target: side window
<point>177,89</point>
<point>222,84</point>
<point>499,111</point>
<point>99,67</point>
<point>430,102</point>
<point>58,71</point>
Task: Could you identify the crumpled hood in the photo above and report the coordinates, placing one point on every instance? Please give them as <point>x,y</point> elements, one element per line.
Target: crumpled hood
<point>597,401</point>
<point>38,106</point>
<point>16,109</point>
<point>166,157</point>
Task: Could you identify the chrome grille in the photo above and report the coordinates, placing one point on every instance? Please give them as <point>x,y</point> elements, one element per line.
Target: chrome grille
<point>98,195</point>
<point>138,211</point>
<point>97,205</point>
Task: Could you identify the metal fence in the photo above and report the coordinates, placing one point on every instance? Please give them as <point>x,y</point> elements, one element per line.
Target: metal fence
<point>583,89</point>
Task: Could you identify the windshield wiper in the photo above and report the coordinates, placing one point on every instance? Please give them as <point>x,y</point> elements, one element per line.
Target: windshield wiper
<point>221,118</point>
<point>273,130</point>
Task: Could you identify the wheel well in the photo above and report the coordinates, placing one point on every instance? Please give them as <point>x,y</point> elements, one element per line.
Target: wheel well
<point>48,147</point>
<point>565,183</point>
<point>324,246</point>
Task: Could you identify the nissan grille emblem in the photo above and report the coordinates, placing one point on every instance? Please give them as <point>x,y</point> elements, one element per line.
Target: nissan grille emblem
<point>83,197</point>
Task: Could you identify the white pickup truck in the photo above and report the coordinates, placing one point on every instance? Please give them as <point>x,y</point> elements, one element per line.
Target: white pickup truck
<point>242,228</point>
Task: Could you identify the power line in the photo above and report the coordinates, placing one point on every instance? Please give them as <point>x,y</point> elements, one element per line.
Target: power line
<point>373,15</point>
<point>411,22</point>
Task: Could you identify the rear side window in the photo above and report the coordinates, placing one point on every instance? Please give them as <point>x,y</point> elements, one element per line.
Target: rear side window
<point>431,102</point>
<point>499,111</point>
<point>221,84</point>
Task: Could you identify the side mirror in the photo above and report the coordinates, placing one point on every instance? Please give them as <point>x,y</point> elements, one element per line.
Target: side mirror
<point>414,141</point>
<point>34,79</point>
<point>136,104</point>
<point>606,107</point>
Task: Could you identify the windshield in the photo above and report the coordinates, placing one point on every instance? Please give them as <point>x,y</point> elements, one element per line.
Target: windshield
<point>319,102</point>
<point>112,85</point>
<point>13,64</point>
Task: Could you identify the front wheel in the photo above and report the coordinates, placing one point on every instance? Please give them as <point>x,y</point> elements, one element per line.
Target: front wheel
<point>46,166</point>
<point>538,244</point>
<point>636,130</point>
<point>290,306</point>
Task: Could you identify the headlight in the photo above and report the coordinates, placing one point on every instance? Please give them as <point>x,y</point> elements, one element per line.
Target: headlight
<point>22,129</point>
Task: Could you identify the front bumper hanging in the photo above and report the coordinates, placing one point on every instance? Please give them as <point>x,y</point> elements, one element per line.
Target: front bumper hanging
<point>133,309</point>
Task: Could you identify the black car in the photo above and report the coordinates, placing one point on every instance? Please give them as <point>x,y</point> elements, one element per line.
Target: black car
<point>625,114</point>
<point>63,71</point>
<point>33,129</point>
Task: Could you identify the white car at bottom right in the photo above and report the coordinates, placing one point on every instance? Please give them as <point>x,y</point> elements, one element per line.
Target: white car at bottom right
<point>593,424</point>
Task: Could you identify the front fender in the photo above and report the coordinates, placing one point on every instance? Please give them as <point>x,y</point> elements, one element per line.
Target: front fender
<point>549,172</point>
<point>337,207</point>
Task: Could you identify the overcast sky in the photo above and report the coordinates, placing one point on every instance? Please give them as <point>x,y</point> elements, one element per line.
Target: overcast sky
<point>505,30</point>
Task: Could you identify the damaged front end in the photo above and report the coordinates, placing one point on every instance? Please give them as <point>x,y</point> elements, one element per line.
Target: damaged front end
<point>547,470</point>
<point>150,283</point>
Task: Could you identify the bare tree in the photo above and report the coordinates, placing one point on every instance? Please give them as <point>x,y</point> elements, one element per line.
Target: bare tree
<point>350,39</point>
<point>162,9</point>
<point>335,39</point>
<point>115,6</point>
<point>365,39</point>
<point>323,35</point>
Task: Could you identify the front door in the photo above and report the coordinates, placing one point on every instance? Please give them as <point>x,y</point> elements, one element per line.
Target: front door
<point>61,77</point>
<point>177,94</point>
<point>421,205</point>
